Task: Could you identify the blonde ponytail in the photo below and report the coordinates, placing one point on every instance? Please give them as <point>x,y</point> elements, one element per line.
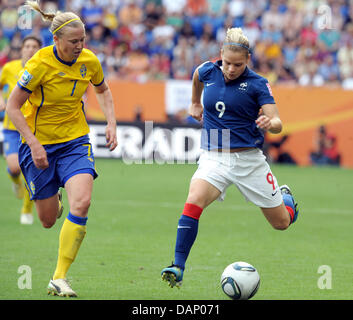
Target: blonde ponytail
<point>45,16</point>
<point>58,20</point>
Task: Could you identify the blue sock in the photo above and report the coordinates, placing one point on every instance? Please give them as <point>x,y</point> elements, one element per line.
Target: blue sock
<point>186,235</point>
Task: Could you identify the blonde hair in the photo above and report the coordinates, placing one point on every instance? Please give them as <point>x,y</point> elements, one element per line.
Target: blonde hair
<point>236,40</point>
<point>58,20</point>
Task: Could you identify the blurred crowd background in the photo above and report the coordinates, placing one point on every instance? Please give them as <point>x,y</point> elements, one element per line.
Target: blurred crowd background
<point>303,42</point>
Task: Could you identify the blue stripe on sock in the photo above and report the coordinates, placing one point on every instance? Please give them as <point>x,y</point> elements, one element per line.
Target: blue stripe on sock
<point>78,220</point>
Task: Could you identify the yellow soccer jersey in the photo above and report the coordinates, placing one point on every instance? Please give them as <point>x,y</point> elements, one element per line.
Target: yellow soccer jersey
<point>8,79</point>
<point>55,111</point>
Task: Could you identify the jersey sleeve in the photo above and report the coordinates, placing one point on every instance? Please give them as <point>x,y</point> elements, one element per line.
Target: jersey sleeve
<point>205,71</point>
<point>264,93</point>
<point>98,76</point>
<point>32,74</point>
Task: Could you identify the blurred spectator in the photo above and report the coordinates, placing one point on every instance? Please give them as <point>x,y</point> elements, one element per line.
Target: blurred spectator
<point>207,48</point>
<point>130,13</point>
<point>347,81</point>
<point>236,8</point>
<point>92,14</point>
<point>172,6</point>
<point>160,68</point>
<point>137,66</point>
<point>196,7</point>
<point>217,7</point>
<point>293,18</point>
<point>325,149</point>
<point>272,34</point>
<point>311,76</point>
<point>272,17</point>
<point>308,35</point>
<point>152,13</point>
<point>8,18</point>
<point>330,38</point>
<point>183,58</point>
<point>329,70</point>
<point>268,72</point>
<point>273,149</point>
<point>289,51</point>
<point>252,30</point>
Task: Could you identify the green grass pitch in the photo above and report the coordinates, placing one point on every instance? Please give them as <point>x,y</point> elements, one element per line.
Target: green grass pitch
<point>131,233</point>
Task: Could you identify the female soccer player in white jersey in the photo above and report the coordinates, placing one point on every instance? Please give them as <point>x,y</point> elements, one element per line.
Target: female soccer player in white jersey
<point>55,150</point>
<point>233,98</point>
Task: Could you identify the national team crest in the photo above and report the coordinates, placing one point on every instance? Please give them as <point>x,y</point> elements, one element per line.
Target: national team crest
<point>83,71</point>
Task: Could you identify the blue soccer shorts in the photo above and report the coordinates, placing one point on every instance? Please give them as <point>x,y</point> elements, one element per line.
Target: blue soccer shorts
<point>11,141</point>
<point>65,159</point>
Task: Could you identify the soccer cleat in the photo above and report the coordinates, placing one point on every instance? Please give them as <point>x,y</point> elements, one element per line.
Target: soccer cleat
<point>26,218</point>
<point>173,275</point>
<point>60,287</point>
<point>61,206</point>
<point>286,190</point>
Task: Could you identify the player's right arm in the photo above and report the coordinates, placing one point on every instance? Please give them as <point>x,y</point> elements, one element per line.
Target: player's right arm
<point>196,108</point>
<point>17,98</point>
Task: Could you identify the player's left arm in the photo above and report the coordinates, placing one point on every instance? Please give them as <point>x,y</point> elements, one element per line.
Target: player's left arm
<point>269,120</point>
<point>105,100</point>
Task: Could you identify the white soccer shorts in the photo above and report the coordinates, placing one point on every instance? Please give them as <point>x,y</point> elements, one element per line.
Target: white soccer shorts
<point>248,170</point>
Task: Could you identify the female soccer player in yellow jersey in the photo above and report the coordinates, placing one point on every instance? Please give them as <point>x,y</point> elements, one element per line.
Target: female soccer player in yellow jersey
<point>55,150</point>
<point>8,79</point>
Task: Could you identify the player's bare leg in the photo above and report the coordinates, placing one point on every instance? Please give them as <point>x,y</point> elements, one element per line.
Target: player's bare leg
<point>79,191</point>
<point>48,210</point>
<point>202,193</point>
<point>278,217</point>
<point>285,214</point>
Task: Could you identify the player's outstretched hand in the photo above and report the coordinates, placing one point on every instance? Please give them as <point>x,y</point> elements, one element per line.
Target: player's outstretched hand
<point>196,111</point>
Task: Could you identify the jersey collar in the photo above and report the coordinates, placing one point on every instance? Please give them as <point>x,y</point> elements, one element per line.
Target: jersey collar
<point>62,61</point>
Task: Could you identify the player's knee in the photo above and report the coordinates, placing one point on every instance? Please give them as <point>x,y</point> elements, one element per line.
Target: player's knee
<point>14,170</point>
<point>82,205</point>
<point>280,225</point>
<point>48,223</point>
